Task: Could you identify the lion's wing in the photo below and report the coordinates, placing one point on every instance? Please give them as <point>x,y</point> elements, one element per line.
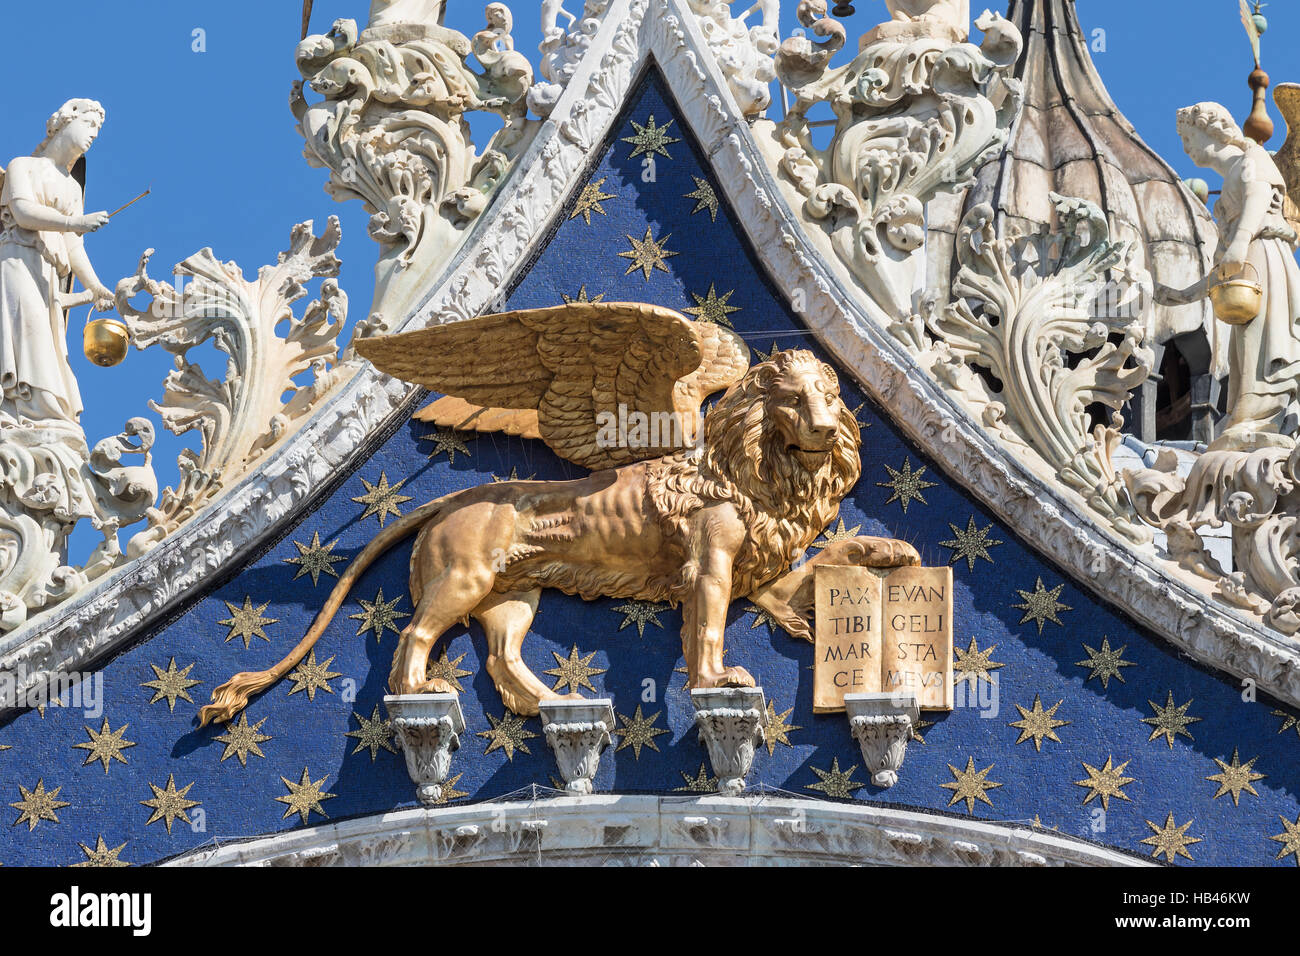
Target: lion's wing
<point>584,369</point>
<point>461,415</point>
<point>724,360</point>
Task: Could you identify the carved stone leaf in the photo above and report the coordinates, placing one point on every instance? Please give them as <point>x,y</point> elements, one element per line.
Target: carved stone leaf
<point>267,346</point>
<point>1026,310</point>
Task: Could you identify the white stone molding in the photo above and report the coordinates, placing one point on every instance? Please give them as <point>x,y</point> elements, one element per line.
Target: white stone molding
<point>577,731</point>
<point>850,326</point>
<point>427,727</point>
<point>730,724</point>
<point>637,830</point>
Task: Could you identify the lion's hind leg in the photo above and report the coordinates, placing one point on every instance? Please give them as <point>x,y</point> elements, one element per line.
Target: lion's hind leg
<point>446,599</point>
<point>505,619</point>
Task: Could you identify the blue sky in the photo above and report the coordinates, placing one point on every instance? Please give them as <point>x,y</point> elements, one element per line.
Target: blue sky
<point>210,131</point>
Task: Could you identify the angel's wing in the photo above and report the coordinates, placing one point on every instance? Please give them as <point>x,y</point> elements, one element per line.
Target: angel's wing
<point>602,383</point>
<point>1287,97</point>
<point>1252,31</point>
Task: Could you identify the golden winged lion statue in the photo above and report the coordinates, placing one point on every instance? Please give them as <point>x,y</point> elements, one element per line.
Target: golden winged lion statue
<point>708,508</point>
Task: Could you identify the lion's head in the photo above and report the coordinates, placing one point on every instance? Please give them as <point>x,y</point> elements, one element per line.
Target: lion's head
<point>783,447</point>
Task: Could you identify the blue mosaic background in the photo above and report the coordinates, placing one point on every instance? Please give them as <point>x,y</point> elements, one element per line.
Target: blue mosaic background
<point>239,801</point>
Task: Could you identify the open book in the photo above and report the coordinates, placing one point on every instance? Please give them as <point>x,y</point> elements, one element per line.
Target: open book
<point>885,635</point>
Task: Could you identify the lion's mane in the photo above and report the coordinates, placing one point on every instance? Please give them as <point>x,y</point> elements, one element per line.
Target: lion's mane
<point>743,460</point>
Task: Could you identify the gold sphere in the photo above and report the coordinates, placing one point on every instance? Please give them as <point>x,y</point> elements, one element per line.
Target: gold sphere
<point>105,341</point>
<point>1237,300</point>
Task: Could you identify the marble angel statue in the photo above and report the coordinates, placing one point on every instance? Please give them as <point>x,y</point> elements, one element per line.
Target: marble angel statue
<point>49,478</point>
<point>42,220</point>
<point>1263,355</point>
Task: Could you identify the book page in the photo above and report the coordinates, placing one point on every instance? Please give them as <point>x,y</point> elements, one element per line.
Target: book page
<point>917,635</point>
<point>847,635</point>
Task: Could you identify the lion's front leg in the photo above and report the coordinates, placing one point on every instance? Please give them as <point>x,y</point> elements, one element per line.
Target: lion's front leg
<point>705,610</point>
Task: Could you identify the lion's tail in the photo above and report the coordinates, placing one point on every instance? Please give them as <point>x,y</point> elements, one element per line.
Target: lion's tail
<point>232,696</point>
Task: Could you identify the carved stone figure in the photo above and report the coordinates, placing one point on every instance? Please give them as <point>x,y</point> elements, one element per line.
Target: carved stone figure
<point>943,18</point>
<point>562,49</point>
<point>392,132</point>
<point>49,478</point>
<point>42,220</point>
<point>1264,352</point>
<point>916,112</point>
<point>658,520</point>
<point>743,51</point>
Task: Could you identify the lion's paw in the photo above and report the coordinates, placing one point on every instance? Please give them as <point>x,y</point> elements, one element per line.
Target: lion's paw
<point>727,677</point>
<point>435,685</point>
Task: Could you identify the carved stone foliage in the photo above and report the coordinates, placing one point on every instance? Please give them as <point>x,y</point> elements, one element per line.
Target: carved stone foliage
<point>50,480</point>
<point>392,132</point>
<point>916,112</point>
<point>1257,494</point>
<point>243,414</point>
<point>1049,321</point>
<point>744,52</point>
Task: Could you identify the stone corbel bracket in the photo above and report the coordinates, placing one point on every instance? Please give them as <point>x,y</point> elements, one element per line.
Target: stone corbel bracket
<point>730,722</point>
<point>882,724</point>
<point>428,729</point>
<point>577,731</point>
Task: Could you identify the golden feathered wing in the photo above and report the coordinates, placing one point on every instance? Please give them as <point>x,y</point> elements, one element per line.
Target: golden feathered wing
<point>559,373</point>
<point>1287,97</point>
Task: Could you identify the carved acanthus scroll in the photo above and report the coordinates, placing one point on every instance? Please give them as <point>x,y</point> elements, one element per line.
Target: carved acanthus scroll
<point>392,132</point>
<point>916,112</point>
<point>1052,320</point>
<point>242,415</point>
